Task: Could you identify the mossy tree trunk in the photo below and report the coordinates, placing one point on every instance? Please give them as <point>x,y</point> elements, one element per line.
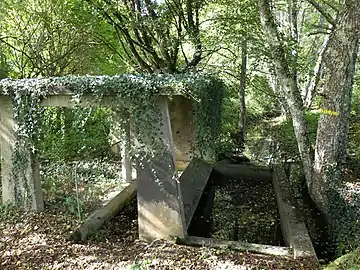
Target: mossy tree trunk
<point>332,133</point>
<point>289,84</point>
<point>324,169</point>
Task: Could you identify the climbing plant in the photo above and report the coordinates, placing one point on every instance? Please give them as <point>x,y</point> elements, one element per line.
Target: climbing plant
<point>132,97</point>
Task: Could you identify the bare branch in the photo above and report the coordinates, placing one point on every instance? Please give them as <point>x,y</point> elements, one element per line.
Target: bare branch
<point>322,11</point>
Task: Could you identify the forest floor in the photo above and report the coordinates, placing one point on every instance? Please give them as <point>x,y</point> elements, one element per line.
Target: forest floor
<point>247,207</point>
<point>41,241</point>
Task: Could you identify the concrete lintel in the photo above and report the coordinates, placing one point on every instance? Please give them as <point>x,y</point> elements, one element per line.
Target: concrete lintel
<point>67,100</point>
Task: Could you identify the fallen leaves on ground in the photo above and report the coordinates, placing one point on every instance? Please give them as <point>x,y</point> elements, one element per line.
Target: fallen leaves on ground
<point>247,206</point>
<point>40,241</point>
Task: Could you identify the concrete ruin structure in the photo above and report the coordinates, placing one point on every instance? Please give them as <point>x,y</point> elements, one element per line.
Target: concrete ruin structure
<point>160,207</point>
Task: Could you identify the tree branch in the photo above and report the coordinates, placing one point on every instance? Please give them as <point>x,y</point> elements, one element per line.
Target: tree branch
<point>322,11</point>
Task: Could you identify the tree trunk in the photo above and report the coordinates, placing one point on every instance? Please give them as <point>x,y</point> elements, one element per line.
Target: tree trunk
<point>332,134</point>
<point>294,33</point>
<point>314,78</point>
<point>242,107</point>
<point>289,85</point>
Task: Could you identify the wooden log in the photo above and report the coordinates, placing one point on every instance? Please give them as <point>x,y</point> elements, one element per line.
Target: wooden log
<point>104,213</point>
<point>234,245</point>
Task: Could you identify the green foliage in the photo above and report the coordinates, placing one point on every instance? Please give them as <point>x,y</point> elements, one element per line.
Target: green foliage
<point>132,97</point>
<point>141,265</point>
<point>350,261</point>
<point>344,210</point>
<point>75,134</point>
<point>260,99</point>
<point>275,137</point>
<point>78,187</point>
<point>8,212</point>
<point>208,115</point>
<point>54,38</point>
<point>3,65</point>
<point>285,136</point>
<point>354,138</point>
<point>155,35</point>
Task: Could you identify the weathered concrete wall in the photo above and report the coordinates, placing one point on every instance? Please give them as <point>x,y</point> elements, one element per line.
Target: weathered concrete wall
<point>192,182</point>
<point>160,209</point>
<point>292,225</point>
<point>183,129</point>
<point>245,170</point>
<point>19,186</point>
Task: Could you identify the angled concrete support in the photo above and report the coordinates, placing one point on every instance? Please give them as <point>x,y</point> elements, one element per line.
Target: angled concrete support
<point>20,180</point>
<point>160,209</point>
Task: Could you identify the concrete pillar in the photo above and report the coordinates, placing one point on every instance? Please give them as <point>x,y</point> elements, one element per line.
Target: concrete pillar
<point>20,183</point>
<point>122,136</point>
<point>160,208</point>
<point>126,168</point>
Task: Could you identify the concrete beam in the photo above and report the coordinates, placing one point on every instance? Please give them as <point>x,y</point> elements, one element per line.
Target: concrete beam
<point>160,209</point>
<point>66,100</point>
<point>108,210</point>
<point>293,227</point>
<point>19,185</point>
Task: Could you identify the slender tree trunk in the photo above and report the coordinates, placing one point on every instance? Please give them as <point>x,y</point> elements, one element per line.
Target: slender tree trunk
<point>289,85</point>
<point>242,107</point>
<point>294,33</point>
<point>332,134</point>
<point>314,77</point>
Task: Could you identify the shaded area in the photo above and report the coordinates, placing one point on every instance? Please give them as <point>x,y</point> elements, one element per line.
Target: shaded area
<point>315,221</point>
<point>240,209</point>
<point>39,241</point>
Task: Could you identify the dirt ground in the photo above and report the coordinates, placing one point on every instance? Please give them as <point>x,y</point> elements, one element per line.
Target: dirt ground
<point>41,241</point>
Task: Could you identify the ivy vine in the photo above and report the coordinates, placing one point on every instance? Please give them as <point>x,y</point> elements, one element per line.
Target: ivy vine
<point>132,97</point>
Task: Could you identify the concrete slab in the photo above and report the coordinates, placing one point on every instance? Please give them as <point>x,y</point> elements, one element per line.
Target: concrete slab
<point>242,170</point>
<point>293,227</point>
<point>192,183</point>
<point>183,129</point>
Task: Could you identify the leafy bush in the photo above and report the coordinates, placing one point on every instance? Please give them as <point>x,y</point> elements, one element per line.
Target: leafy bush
<point>349,261</point>
<point>285,136</point>
<point>260,98</point>
<point>73,134</point>
<point>344,206</point>
<point>276,137</point>
<point>78,187</point>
